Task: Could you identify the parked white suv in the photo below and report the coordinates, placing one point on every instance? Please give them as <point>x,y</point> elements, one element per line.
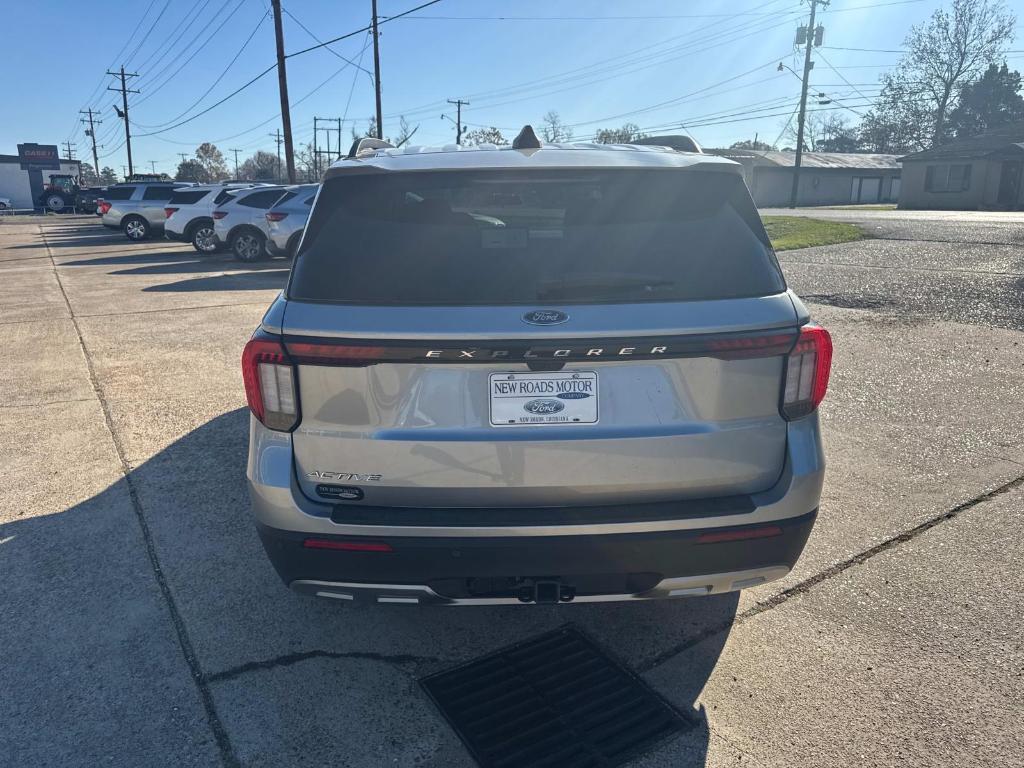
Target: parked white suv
<point>190,213</point>
<point>241,223</point>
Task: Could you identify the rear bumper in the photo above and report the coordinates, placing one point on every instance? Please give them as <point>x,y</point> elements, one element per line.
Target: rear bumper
<point>460,571</point>
<point>632,555</point>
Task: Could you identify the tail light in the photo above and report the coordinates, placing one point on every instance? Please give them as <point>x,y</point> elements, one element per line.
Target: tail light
<point>276,216</point>
<point>807,369</point>
<point>103,206</point>
<point>168,212</point>
<point>218,215</point>
<point>270,384</point>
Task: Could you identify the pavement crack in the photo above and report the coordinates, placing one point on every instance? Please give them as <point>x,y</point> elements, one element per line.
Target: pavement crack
<point>811,582</point>
<point>227,753</point>
<point>397,659</point>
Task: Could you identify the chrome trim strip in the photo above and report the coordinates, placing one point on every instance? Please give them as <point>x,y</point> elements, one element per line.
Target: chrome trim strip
<point>421,594</point>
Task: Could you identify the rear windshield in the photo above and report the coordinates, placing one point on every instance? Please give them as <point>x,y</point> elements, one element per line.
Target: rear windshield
<point>188,196</point>
<point>119,193</point>
<point>260,199</point>
<point>491,238</point>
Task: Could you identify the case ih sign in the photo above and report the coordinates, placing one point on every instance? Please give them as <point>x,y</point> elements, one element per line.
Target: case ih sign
<point>38,157</point>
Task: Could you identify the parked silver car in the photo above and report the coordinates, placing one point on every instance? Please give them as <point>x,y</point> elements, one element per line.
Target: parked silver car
<point>137,208</point>
<point>240,222</point>
<point>287,219</point>
<point>534,374</point>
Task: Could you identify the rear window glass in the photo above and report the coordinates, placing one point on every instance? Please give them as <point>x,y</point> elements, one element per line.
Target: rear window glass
<point>118,193</point>
<point>188,196</point>
<point>285,198</point>
<point>492,238</point>
<point>157,193</point>
<point>260,199</point>
<point>224,195</point>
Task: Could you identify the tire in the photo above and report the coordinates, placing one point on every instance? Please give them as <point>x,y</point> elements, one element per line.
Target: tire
<point>201,235</point>
<point>55,203</point>
<point>249,245</point>
<point>136,228</point>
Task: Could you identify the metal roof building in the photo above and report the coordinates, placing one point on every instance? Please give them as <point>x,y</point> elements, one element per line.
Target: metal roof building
<point>826,178</point>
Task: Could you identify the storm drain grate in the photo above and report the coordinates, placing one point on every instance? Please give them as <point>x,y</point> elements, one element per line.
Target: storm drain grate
<point>554,700</point>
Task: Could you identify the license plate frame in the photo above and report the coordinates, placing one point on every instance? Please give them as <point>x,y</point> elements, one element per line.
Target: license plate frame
<point>543,399</point>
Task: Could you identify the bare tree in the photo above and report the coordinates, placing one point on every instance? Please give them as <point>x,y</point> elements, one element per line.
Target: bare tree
<point>553,129</point>
<point>627,133</point>
<point>822,132</point>
<point>951,49</point>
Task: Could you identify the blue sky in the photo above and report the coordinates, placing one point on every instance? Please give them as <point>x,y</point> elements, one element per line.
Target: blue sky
<point>658,63</point>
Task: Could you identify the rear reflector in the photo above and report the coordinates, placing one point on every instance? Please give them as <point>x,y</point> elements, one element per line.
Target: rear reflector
<point>276,215</point>
<point>270,383</point>
<point>332,354</point>
<point>717,537</point>
<point>347,546</point>
<point>806,372</point>
<point>168,212</point>
<point>218,215</point>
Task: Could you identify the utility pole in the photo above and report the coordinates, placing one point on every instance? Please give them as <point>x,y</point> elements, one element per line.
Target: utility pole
<point>124,172</point>
<point>316,155</point>
<point>91,133</point>
<point>183,156</point>
<point>276,136</point>
<point>376,71</point>
<point>236,151</point>
<point>69,150</point>
<point>282,82</point>
<point>812,37</point>
<point>152,164</point>
<point>339,137</point>
<point>125,90</point>
<point>459,104</point>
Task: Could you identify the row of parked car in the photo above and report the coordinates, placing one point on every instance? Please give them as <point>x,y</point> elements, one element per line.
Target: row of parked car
<point>251,220</point>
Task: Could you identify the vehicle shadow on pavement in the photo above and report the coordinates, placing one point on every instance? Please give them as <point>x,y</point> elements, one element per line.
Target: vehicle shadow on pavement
<point>82,605</point>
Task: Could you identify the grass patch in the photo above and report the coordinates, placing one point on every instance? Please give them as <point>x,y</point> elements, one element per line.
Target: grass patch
<point>790,232</point>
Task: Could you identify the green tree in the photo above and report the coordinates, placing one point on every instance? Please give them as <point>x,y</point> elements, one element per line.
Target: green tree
<point>108,175</point>
<point>484,136</point>
<point>212,161</point>
<point>262,166</point>
<point>989,102</point>
<point>627,133</point>
<point>751,144</point>
<point>192,170</point>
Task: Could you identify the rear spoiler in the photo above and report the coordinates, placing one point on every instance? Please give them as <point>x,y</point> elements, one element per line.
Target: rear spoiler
<point>367,146</point>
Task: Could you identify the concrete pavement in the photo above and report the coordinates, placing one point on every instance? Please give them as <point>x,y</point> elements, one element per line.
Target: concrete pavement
<point>143,625</point>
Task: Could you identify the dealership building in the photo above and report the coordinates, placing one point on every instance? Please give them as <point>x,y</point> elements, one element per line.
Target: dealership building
<point>23,175</point>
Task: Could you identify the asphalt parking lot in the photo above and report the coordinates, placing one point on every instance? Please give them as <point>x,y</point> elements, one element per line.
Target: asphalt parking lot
<point>141,623</point>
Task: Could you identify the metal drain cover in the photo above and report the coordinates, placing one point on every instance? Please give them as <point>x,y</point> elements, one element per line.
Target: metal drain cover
<point>554,700</point>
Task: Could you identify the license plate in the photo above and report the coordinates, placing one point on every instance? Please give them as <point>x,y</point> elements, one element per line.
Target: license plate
<point>541,399</point>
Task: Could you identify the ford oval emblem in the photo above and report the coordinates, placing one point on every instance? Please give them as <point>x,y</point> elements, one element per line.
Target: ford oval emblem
<point>545,317</point>
<point>543,406</point>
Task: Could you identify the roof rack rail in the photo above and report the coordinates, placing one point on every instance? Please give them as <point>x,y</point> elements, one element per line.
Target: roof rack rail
<point>367,146</point>
<point>678,143</point>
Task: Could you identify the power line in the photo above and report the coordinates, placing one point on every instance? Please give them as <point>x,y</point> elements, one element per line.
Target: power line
<point>311,34</point>
<point>362,29</point>
<point>220,77</point>
<point>202,45</point>
<point>145,37</point>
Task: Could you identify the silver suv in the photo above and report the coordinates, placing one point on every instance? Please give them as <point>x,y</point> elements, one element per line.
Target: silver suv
<point>534,374</point>
<point>287,220</point>
<point>137,208</point>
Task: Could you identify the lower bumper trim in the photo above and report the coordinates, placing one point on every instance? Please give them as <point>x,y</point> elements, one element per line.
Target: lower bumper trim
<point>421,594</point>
